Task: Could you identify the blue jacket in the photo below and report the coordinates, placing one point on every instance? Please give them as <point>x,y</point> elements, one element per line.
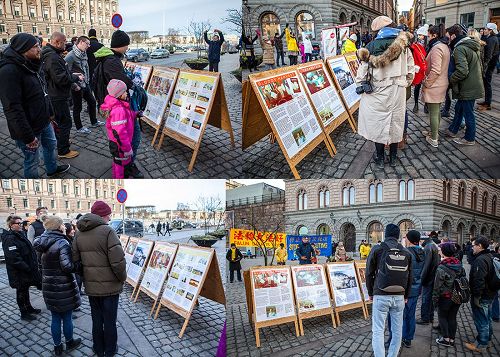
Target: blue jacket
<point>214,47</point>
<point>305,250</point>
<point>417,265</point>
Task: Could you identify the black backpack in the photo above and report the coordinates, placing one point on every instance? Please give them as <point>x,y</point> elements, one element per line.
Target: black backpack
<point>393,269</point>
<point>99,84</point>
<point>460,293</point>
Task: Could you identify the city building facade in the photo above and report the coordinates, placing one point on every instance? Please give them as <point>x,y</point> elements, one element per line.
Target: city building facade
<point>65,198</point>
<point>43,17</point>
<point>355,210</point>
<point>472,13</point>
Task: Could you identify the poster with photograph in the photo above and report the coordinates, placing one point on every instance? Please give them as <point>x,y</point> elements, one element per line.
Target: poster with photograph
<point>139,73</point>
<point>344,284</point>
<point>159,91</point>
<point>361,267</point>
<point>158,267</point>
<point>272,290</point>
<point>189,268</point>
<point>322,92</point>
<point>344,77</point>
<point>290,111</point>
<point>329,42</point>
<point>353,62</point>
<point>124,241</point>
<point>190,104</point>
<point>311,288</point>
<point>141,255</point>
<point>129,251</point>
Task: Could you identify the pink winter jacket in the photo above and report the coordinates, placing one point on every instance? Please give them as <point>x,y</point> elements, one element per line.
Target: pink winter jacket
<point>120,123</point>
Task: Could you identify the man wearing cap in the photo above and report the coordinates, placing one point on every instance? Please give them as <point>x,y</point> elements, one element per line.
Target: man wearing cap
<point>25,101</point>
<point>97,250</point>
<point>491,52</point>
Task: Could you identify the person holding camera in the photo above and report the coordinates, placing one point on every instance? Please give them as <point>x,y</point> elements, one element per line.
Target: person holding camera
<point>385,71</point>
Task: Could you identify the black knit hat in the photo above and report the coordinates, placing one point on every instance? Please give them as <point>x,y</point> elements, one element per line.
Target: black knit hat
<point>22,42</point>
<point>448,249</point>
<point>92,33</point>
<point>391,231</point>
<point>413,236</point>
<point>119,39</point>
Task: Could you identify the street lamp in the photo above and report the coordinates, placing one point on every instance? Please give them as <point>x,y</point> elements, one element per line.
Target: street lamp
<point>359,216</point>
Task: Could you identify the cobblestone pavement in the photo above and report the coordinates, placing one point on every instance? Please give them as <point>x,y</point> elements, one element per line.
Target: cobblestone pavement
<point>138,335</point>
<point>351,338</point>
<point>216,157</point>
<point>418,160</point>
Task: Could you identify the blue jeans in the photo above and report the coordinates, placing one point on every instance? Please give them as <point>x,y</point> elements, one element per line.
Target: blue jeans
<point>495,308</point>
<point>67,320</point>
<point>384,306</point>
<point>482,320</point>
<point>464,109</point>
<point>408,320</point>
<point>427,308</point>
<point>48,144</point>
<point>136,139</point>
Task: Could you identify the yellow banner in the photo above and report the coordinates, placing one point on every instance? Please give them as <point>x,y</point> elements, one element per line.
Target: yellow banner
<point>248,238</point>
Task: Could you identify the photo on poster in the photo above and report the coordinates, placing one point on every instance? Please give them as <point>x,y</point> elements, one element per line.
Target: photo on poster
<point>342,280</point>
<point>309,278</point>
<point>279,91</point>
<point>343,75</point>
<point>269,279</point>
<point>316,80</point>
<point>344,284</point>
<point>139,257</point>
<point>353,63</point>
<point>131,247</point>
<point>139,73</point>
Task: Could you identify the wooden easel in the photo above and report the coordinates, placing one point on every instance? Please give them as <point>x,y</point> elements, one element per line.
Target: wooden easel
<point>314,313</point>
<point>354,305</point>
<point>361,264</point>
<point>148,292</point>
<point>260,324</point>
<point>135,283</point>
<point>210,287</point>
<point>217,114</point>
<point>124,241</point>
<point>257,121</point>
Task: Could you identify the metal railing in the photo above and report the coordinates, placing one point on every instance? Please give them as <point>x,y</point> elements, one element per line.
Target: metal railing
<point>256,199</point>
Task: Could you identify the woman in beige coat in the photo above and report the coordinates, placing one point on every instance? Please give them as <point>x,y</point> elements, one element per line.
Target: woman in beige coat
<point>268,49</point>
<point>435,82</point>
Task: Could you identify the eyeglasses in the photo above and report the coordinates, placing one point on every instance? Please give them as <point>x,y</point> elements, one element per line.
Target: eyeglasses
<point>19,223</point>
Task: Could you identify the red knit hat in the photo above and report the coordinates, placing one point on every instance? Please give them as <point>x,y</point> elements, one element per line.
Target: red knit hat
<point>100,208</point>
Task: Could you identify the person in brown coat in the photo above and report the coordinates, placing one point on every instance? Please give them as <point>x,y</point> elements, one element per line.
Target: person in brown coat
<point>435,82</point>
<point>97,250</point>
<point>268,51</point>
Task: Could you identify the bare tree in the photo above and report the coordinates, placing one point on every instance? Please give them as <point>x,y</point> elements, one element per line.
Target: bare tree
<point>210,206</point>
<point>234,17</point>
<point>172,36</point>
<point>197,29</point>
<point>138,37</point>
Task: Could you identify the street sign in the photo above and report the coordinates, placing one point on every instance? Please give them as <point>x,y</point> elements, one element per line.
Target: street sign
<point>116,20</point>
<point>121,195</point>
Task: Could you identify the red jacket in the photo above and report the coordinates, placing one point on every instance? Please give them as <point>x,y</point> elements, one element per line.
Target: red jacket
<point>419,55</point>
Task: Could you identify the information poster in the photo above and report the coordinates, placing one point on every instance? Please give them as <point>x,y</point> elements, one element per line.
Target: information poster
<point>159,90</point>
<point>158,267</point>
<point>353,63</point>
<point>311,289</point>
<point>329,42</point>
<point>129,252</point>
<point>321,242</point>
<point>188,271</point>
<point>249,238</point>
<point>190,104</point>
<point>362,277</point>
<point>322,92</point>
<point>124,241</point>
<point>139,259</point>
<point>272,290</point>
<point>342,73</point>
<point>139,73</point>
<point>290,111</point>
<point>344,284</point>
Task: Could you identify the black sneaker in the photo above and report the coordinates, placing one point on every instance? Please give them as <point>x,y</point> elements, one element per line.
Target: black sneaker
<point>134,171</point>
<point>72,344</point>
<point>393,160</point>
<point>60,169</point>
<point>58,350</point>
<point>27,317</point>
<point>32,310</point>
<point>441,341</point>
<point>406,343</point>
<point>379,161</point>
<point>422,322</point>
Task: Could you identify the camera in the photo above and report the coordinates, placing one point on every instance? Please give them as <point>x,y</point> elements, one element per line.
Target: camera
<point>365,87</point>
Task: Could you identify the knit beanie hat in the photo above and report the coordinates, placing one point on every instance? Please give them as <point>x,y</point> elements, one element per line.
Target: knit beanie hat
<point>22,42</point>
<point>52,223</point>
<point>392,231</point>
<point>116,88</point>
<point>101,209</point>
<point>381,21</point>
<point>448,249</point>
<point>92,33</point>
<point>119,39</point>
<point>413,236</point>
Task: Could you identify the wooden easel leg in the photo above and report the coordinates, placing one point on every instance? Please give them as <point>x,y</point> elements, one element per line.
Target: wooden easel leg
<point>297,332</point>
<point>295,172</point>
<point>184,327</point>
<point>137,295</point>
<point>365,312</point>
<point>160,143</point>
<point>332,150</point>
<point>133,292</point>
<point>157,311</point>
<point>154,138</point>
<point>301,325</point>
<point>152,309</point>
<point>333,320</point>
<point>193,159</point>
<point>352,123</point>
<point>338,318</point>
<point>257,336</point>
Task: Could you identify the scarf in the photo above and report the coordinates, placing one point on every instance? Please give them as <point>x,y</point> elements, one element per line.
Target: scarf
<point>387,32</point>
<point>450,260</point>
<point>82,56</point>
<point>233,254</point>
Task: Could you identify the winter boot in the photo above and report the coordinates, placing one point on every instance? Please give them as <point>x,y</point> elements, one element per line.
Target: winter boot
<point>415,108</point>
<point>58,350</point>
<point>379,160</point>
<point>393,160</point>
<point>72,344</point>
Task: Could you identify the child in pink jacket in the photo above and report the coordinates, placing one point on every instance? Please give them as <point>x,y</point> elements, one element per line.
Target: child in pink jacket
<point>120,126</point>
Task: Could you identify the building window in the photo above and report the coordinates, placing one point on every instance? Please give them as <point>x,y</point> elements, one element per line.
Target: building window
<point>2,28</point>
<point>302,200</point>
<point>52,204</point>
<point>446,229</point>
<point>406,190</point>
<point>74,30</point>
<point>40,202</point>
<point>270,24</point>
<point>348,194</point>
<point>19,28</point>
<point>25,203</point>
<point>461,194</point>
<point>87,191</point>
<point>105,194</point>
<point>45,14</point>
<point>17,11</point>
<point>51,188</point>
<point>63,31</point>
<point>47,29</point>
<point>473,199</point>
<point>447,191</point>
<point>78,204</point>
<point>6,184</point>
<point>22,185</point>
<point>305,24</point>
<point>467,19</point>
<point>77,191</point>
<point>343,18</point>
<point>88,205</point>
<point>72,17</point>
<point>494,205</point>
<point>60,15</point>
<point>484,203</point>
<point>323,229</point>
<point>65,189</point>
<point>440,20</point>
<point>302,230</point>
<point>32,13</point>
<point>83,18</point>
<point>96,193</point>
<point>9,202</point>
<point>37,186</point>
<point>34,28</point>
<point>405,226</point>
<point>324,197</point>
<point>376,192</point>
<point>375,232</point>
<point>66,204</point>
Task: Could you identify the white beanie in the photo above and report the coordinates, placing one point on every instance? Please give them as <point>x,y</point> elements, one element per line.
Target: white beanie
<point>423,30</point>
<point>353,37</point>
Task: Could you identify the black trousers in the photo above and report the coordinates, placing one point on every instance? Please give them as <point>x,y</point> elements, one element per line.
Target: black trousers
<point>293,60</point>
<point>488,74</point>
<point>104,310</point>
<point>83,93</point>
<point>447,101</point>
<point>63,119</point>
<point>280,54</point>
<point>231,274</point>
<point>213,66</point>
<point>447,314</point>
<point>23,299</point>
<point>251,63</point>
<point>393,149</point>
<point>416,92</point>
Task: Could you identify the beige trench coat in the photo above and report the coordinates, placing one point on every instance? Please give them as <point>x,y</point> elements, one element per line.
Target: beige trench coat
<point>435,83</point>
<point>268,49</point>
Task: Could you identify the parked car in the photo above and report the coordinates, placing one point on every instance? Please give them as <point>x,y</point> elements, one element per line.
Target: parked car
<point>160,53</point>
<point>133,227</point>
<point>137,54</point>
<point>189,225</point>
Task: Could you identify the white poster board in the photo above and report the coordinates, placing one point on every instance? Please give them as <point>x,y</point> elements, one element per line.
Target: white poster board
<point>329,42</point>
<point>290,110</point>
<point>139,259</point>
<point>129,251</point>
<point>160,88</point>
<point>311,288</point>
<point>190,266</point>
<point>158,267</point>
<point>343,75</point>
<point>273,294</point>
<point>345,284</point>
<point>141,73</point>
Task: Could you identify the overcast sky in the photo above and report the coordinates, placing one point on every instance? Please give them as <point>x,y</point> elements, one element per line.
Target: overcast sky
<point>403,5</point>
<point>164,194</point>
<point>148,14</point>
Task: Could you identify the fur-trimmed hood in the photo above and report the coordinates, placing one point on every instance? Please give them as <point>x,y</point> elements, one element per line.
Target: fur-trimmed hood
<point>390,54</point>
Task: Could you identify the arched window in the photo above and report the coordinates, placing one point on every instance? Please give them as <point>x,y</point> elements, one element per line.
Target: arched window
<point>402,190</point>
<point>323,229</point>
<point>348,194</point>
<point>406,190</point>
<point>353,18</point>
<point>305,23</point>
<point>380,192</point>
<point>484,202</point>
<point>302,200</point>
<point>302,230</point>
<point>473,231</point>
<point>324,197</point>
<point>343,18</point>
<point>405,226</point>
<point>473,198</point>
<point>411,190</point>
<point>446,229</point>
<point>375,232</point>
<point>373,193</point>
<point>461,194</point>
<point>270,24</point>
<point>446,190</point>
<point>461,233</point>
<point>494,205</point>
<point>376,192</point>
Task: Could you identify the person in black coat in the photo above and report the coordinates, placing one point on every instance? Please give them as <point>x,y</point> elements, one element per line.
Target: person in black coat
<point>305,252</point>
<point>214,47</point>
<point>59,286</point>
<point>249,49</point>
<point>234,257</point>
<point>94,46</point>
<point>21,263</point>
<point>27,108</point>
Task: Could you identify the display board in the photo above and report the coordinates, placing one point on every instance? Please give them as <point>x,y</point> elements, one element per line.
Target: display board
<point>341,73</point>
<point>311,292</point>
<point>130,250</point>
<point>140,72</point>
<point>283,99</point>
<point>139,262</point>
<point>353,63</point>
<point>194,272</point>
<point>198,100</point>
<point>272,297</point>
<point>361,271</point>
<point>345,287</point>
<point>322,242</point>
<point>329,41</point>
<point>250,238</point>
<point>124,241</point>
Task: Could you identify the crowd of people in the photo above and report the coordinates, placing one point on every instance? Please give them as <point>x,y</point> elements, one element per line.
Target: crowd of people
<point>56,257</point>
<point>40,84</point>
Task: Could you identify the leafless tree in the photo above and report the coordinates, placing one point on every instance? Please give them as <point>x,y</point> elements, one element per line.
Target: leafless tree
<point>172,34</point>
<point>235,18</point>
<point>197,29</point>
<point>138,37</point>
<point>211,207</point>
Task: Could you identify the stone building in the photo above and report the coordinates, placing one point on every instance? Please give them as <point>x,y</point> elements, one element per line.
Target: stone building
<point>472,13</point>
<point>64,198</point>
<point>71,17</point>
<point>354,210</point>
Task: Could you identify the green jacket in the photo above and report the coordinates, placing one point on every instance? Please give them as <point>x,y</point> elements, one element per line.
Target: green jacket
<point>466,80</point>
